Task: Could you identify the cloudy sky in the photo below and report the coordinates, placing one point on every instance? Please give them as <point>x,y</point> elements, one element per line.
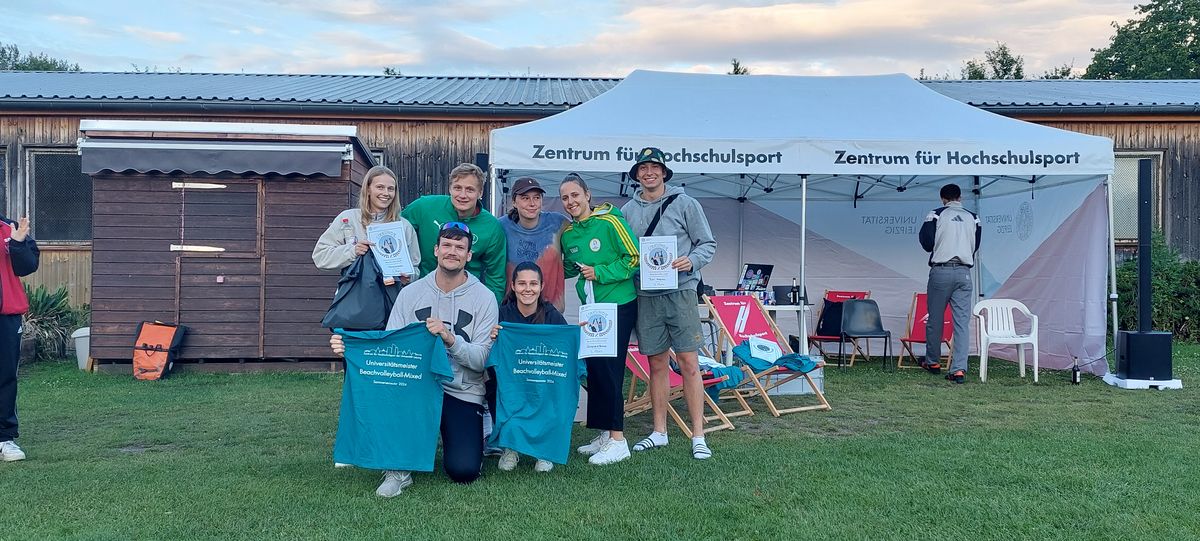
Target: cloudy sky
<point>558,38</point>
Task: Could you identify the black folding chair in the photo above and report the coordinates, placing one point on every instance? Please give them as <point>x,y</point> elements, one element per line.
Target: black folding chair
<point>861,319</point>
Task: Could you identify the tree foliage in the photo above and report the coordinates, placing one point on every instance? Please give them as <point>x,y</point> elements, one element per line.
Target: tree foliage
<point>1160,44</point>
<point>1065,71</point>
<point>12,59</point>
<point>997,63</point>
<point>737,68</point>
<point>388,70</point>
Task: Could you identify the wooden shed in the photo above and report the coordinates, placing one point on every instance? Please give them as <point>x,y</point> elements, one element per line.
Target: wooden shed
<point>212,225</point>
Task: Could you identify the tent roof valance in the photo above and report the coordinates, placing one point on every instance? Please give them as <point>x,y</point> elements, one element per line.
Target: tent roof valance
<point>885,125</point>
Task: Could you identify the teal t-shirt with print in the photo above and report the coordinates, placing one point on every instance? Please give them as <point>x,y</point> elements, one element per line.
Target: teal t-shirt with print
<point>391,411</point>
<point>538,371</point>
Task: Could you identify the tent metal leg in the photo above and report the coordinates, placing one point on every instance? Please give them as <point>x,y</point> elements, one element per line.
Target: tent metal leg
<point>803,313</point>
<point>1112,267</point>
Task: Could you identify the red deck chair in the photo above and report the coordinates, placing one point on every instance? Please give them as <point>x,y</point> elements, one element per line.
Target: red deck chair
<point>918,316</point>
<point>818,339</point>
<point>636,402</point>
<point>739,317</point>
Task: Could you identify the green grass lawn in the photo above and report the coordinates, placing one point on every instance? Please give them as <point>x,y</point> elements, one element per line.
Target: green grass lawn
<point>901,456</point>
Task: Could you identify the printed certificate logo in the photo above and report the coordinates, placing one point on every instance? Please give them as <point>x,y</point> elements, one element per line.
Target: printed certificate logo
<point>388,243</point>
<point>597,324</point>
<point>1024,220</point>
<point>657,258</point>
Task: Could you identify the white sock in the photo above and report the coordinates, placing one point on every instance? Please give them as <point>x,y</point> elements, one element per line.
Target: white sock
<point>659,438</point>
<point>698,440</point>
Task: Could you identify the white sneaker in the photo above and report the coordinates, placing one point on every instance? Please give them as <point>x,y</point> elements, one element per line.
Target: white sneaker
<point>594,446</point>
<point>611,452</point>
<point>509,459</point>
<point>10,452</point>
<point>543,466</point>
<point>394,482</point>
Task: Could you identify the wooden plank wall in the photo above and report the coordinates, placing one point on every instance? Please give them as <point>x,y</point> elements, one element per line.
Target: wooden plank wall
<point>134,222</point>
<point>1180,144</point>
<point>421,151</point>
<point>69,266</point>
<point>297,294</point>
<point>260,298</point>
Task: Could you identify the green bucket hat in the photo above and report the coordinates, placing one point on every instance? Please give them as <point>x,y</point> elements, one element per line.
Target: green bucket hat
<point>651,155</point>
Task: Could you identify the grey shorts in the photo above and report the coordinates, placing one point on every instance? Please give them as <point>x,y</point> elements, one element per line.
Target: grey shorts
<point>669,321</point>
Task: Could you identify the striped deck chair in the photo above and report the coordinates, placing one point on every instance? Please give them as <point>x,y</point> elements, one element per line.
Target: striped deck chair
<point>739,317</point>
<point>638,402</point>
<point>918,316</point>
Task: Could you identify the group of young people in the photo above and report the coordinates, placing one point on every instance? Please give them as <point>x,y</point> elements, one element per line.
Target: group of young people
<point>478,272</point>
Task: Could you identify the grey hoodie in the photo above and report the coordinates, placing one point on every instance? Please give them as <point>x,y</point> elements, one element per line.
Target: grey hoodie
<point>684,219</point>
<point>470,310</point>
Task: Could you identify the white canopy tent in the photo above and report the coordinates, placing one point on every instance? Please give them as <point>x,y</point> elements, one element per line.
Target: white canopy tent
<point>854,163</point>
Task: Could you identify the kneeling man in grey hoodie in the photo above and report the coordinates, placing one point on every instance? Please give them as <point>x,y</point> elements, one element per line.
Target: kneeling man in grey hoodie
<point>459,309</point>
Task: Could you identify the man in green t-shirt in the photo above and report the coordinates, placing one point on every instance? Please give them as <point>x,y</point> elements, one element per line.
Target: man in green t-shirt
<point>430,212</point>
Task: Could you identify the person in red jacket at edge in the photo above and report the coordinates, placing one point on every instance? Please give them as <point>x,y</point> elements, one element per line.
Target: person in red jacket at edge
<point>18,258</point>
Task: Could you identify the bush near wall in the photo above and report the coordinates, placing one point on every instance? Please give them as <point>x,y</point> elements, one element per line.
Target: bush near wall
<point>50,321</point>
<point>1175,292</point>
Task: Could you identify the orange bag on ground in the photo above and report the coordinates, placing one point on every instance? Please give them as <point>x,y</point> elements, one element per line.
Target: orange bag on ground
<point>155,349</point>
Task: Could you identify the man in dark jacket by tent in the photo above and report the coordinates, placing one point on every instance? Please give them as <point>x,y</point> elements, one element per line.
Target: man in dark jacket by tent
<point>19,257</point>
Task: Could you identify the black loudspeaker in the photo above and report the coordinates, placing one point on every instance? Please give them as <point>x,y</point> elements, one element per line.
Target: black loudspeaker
<point>1144,355</point>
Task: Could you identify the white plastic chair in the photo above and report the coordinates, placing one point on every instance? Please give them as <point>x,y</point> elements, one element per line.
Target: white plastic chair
<point>998,327</point>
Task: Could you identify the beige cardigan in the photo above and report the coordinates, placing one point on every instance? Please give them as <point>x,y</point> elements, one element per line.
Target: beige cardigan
<point>333,253</point>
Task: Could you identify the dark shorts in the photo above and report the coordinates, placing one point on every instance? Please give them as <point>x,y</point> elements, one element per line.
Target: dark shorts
<point>669,321</point>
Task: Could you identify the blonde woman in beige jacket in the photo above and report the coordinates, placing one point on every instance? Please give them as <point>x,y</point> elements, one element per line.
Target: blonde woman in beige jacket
<point>376,203</point>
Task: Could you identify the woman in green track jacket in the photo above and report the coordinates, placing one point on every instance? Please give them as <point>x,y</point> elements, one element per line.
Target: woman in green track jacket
<point>600,249</point>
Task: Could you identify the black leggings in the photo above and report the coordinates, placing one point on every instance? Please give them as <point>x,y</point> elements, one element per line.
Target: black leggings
<point>462,439</point>
<point>606,377</point>
<point>489,394</point>
<point>10,350</point>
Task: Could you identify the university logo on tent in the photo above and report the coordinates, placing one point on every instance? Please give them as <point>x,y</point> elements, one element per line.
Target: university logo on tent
<point>1024,220</point>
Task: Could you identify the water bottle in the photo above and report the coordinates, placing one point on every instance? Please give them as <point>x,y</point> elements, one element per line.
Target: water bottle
<point>795,294</point>
<point>348,232</point>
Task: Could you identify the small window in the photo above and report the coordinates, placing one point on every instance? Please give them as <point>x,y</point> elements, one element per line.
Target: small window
<point>1124,195</point>
<point>61,195</point>
<point>378,154</point>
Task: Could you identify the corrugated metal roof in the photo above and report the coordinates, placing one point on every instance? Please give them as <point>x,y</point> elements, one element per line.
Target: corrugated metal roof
<point>1075,95</point>
<point>233,92</point>
<point>359,92</point>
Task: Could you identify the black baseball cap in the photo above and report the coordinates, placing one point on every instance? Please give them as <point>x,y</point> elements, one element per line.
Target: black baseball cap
<point>524,184</point>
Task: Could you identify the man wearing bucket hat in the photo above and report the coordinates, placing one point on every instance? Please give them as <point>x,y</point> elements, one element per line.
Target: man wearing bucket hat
<point>668,319</point>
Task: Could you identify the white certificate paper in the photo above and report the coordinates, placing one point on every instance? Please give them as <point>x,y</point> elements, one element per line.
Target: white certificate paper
<point>598,330</point>
<point>657,253</point>
<point>390,249</point>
